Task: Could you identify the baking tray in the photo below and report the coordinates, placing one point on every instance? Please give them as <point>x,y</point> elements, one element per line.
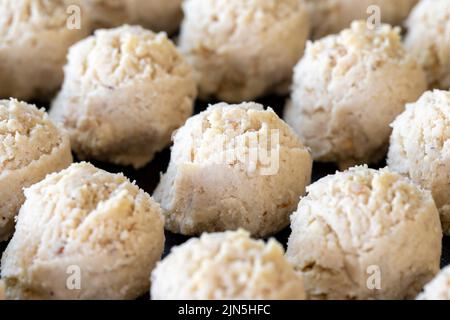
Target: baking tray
<point>147,178</point>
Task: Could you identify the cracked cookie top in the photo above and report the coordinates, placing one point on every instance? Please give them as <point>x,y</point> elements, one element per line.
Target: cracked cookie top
<point>225,129</point>
<point>26,134</point>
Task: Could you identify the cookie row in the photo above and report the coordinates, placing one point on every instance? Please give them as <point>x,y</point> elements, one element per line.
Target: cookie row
<point>348,222</point>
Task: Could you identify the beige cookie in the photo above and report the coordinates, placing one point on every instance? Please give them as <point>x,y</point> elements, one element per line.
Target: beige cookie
<point>31,146</point>
<point>35,36</point>
<point>347,90</point>
<point>228,266</point>
<point>83,233</point>
<point>243,49</point>
<point>420,147</point>
<point>156,15</point>
<point>365,234</point>
<point>428,40</point>
<point>125,91</point>
<point>233,166</point>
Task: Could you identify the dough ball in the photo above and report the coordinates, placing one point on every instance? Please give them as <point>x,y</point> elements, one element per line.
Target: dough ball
<point>125,91</point>
<point>31,146</point>
<point>83,233</point>
<point>233,166</point>
<point>34,39</point>
<point>226,266</point>
<point>420,147</point>
<point>428,40</point>
<point>365,234</point>
<point>242,49</point>
<point>347,89</point>
<point>156,15</point>
<point>332,16</point>
<point>438,288</point>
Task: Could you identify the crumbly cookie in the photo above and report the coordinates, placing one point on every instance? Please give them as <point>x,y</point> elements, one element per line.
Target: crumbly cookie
<point>243,49</point>
<point>428,40</point>
<point>83,233</point>
<point>347,90</point>
<point>34,40</point>
<point>365,234</point>
<point>233,166</point>
<point>125,91</point>
<point>31,146</point>
<point>420,147</point>
<point>227,266</point>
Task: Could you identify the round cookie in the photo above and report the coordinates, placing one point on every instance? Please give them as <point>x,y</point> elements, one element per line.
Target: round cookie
<point>31,146</point>
<point>156,15</point>
<point>365,234</point>
<point>227,266</point>
<point>83,233</point>
<point>420,147</point>
<point>428,40</point>
<point>34,39</point>
<point>347,89</point>
<point>332,16</point>
<point>233,166</point>
<point>438,288</point>
<point>125,91</point>
<point>242,49</point>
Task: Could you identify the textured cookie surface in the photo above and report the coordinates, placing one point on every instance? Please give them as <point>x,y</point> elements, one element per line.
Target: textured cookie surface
<point>233,63</point>
<point>125,91</point>
<point>31,146</point>
<point>428,40</point>
<point>365,234</point>
<point>83,233</point>
<point>226,265</point>
<point>233,166</point>
<point>420,147</point>
<point>34,40</point>
<point>347,90</point>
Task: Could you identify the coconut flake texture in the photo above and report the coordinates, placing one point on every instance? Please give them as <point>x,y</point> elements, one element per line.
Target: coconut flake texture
<point>34,40</point>
<point>332,16</point>
<point>125,91</point>
<point>215,181</point>
<point>365,234</point>
<point>156,15</point>
<point>428,40</point>
<point>420,147</point>
<point>83,233</point>
<point>438,288</point>
<point>226,265</point>
<point>242,49</point>
<point>347,89</point>
<point>31,146</point>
